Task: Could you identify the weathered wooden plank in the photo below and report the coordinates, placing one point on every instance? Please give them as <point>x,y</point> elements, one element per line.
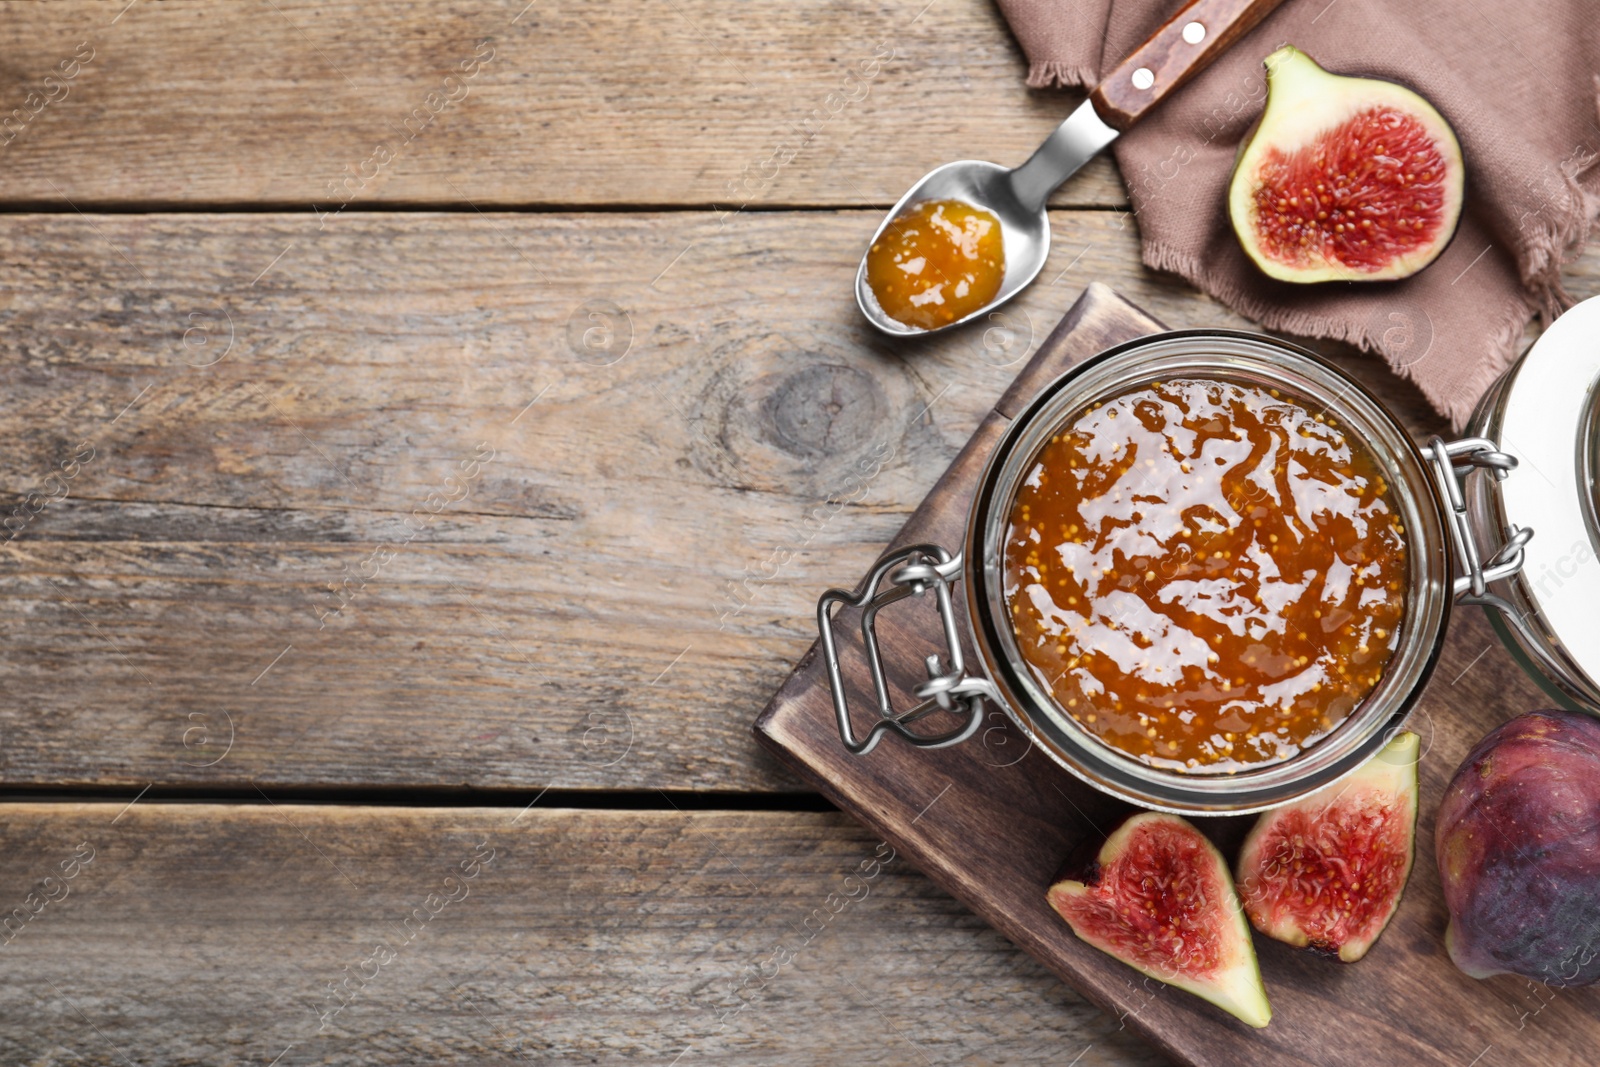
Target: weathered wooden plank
<point>212,934</point>
<point>845,102</point>
<point>621,588</point>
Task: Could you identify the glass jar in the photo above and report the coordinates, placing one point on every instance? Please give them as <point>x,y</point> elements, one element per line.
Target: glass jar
<point>1460,548</point>
<point>1545,413</point>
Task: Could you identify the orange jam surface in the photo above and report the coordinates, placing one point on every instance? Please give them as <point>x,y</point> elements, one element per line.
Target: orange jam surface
<point>938,262</point>
<point>1208,575</point>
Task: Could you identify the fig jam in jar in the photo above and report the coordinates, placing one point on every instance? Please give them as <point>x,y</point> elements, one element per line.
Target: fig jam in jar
<point>1203,571</point>
<point>1207,575</point>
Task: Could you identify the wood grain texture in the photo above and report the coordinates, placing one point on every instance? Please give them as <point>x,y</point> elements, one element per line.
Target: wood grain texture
<point>992,820</point>
<point>687,102</point>
<point>623,586</point>
<point>1171,59</point>
<point>678,404</point>
<point>199,933</point>
<point>689,500</point>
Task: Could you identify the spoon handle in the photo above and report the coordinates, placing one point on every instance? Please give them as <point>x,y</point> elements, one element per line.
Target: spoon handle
<point>1184,46</point>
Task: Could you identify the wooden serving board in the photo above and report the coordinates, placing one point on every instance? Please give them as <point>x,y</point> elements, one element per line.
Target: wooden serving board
<point>991,820</point>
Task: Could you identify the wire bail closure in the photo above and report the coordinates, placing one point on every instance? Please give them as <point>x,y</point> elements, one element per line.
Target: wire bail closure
<point>1452,463</point>
<point>910,571</point>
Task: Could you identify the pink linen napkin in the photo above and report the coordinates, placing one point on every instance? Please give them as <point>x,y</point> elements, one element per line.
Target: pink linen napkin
<point>1517,81</point>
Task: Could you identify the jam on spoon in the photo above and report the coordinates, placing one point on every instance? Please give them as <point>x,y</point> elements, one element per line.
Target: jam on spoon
<point>937,263</point>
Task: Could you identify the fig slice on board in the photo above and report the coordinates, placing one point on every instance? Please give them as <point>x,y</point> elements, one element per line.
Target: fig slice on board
<point>1344,179</point>
<point>1156,895</point>
<point>1326,872</point>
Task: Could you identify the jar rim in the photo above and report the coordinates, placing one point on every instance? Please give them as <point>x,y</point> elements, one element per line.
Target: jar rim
<point>1234,356</point>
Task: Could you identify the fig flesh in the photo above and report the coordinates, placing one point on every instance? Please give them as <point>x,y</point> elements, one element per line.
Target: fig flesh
<point>1344,179</point>
<point>1326,872</point>
<point>1518,845</point>
<point>1156,895</point>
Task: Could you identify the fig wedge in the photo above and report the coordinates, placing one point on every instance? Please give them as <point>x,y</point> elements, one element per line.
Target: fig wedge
<point>1326,872</point>
<point>1156,895</point>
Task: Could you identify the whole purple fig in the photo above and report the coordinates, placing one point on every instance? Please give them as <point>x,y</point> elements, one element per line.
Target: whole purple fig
<point>1518,843</point>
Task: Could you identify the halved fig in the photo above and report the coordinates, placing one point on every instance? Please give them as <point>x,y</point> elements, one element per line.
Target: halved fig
<point>1344,179</point>
<point>1326,872</point>
<point>1157,896</point>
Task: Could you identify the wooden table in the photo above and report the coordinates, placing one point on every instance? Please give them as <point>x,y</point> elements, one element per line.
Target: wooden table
<point>425,429</point>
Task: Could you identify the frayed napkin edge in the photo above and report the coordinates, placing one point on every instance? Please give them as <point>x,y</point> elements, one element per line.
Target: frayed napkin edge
<point>1054,74</point>
<point>1503,344</point>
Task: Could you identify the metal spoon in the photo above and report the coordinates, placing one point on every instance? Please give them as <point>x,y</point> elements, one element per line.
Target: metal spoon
<point>1182,47</point>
